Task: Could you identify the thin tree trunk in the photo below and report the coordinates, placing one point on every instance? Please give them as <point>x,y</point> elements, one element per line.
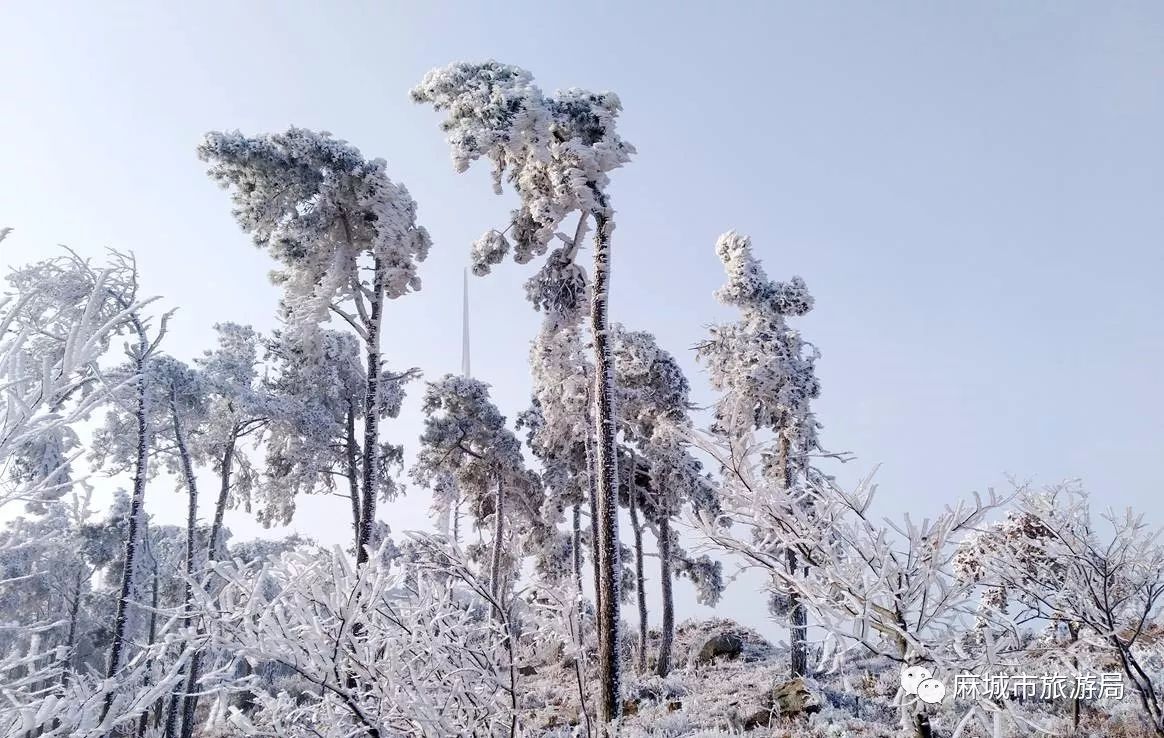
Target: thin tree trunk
<point>640,579</point>
<point>190,704</point>
<point>609,553</point>
<point>71,636</point>
<point>172,713</point>
<point>498,536</point>
<point>797,627</point>
<point>351,452</point>
<point>797,613</point>
<point>592,499</point>
<point>190,701</point>
<point>1073,632</point>
<point>150,636</point>
<point>225,474</point>
<point>191,507</point>
<point>141,468</point>
<point>191,535</point>
<point>668,637</point>
<point>371,415</point>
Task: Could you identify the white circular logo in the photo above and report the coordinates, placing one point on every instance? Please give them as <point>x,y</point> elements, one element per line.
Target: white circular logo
<point>931,691</point>
<point>912,676</point>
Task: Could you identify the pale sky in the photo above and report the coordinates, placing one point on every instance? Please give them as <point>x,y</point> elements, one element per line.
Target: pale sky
<point>973,194</point>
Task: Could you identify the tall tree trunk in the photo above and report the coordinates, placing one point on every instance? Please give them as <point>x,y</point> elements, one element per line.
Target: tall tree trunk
<point>592,499</point>
<point>371,415</point>
<point>609,553</point>
<point>191,506</point>
<point>71,636</point>
<point>797,613</point>
<point>225,473</point>
<point>173,710</point>
<point>141,468</point>
<point>498,536</point>
<point>351,451</point>
<point>190,704</point>
<point>797,627</point>
<point>191,537</point>
<point>151,635</point>
<point>664,665</point>
<point>640,579</point>
<point>190,700</point>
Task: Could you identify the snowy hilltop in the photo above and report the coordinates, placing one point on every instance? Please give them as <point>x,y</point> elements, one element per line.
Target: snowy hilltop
<point>525,609</point>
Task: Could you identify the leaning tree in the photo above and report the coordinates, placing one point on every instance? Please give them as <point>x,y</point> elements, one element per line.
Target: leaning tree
<point>346,239</point>
<point>557,152</point>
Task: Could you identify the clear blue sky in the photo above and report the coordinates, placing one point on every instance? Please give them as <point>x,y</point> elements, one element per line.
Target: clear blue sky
<point>973,192</point>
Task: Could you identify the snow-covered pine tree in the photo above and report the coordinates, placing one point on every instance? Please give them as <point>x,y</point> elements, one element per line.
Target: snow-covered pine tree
<point>465,436</point>
<point>50,665</point>
<point>135,394</point>
<point>765,373</point>
<point>559,433</point>
<point>317,394</point>
<point>181,407</point>
<point>662,476</point>
<point>557,152</point>
<point>235,405</point>
<point>346,240</point>
<point>238,406</point>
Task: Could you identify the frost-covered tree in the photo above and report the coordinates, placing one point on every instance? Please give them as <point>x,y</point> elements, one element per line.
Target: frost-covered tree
<point>178,410</point>
<point>57,321</point>
<point>346,240</point>
<point>766,377</point>
<point>238,406</point>
<point>174,409</point>
<point>313,440</point>
<point>887,589</point>
<point>48,565</point>
<point>233,405</point>
<point>57,325</point>
<point>1048,561</point>
<point>557,152</point>
<point>465,437</point>
<point>559,432</point>
<point>180,405</point>
<point>134,398</point>
<point>663,476</point>
<point>423,661</point>
<point>45,582</point>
